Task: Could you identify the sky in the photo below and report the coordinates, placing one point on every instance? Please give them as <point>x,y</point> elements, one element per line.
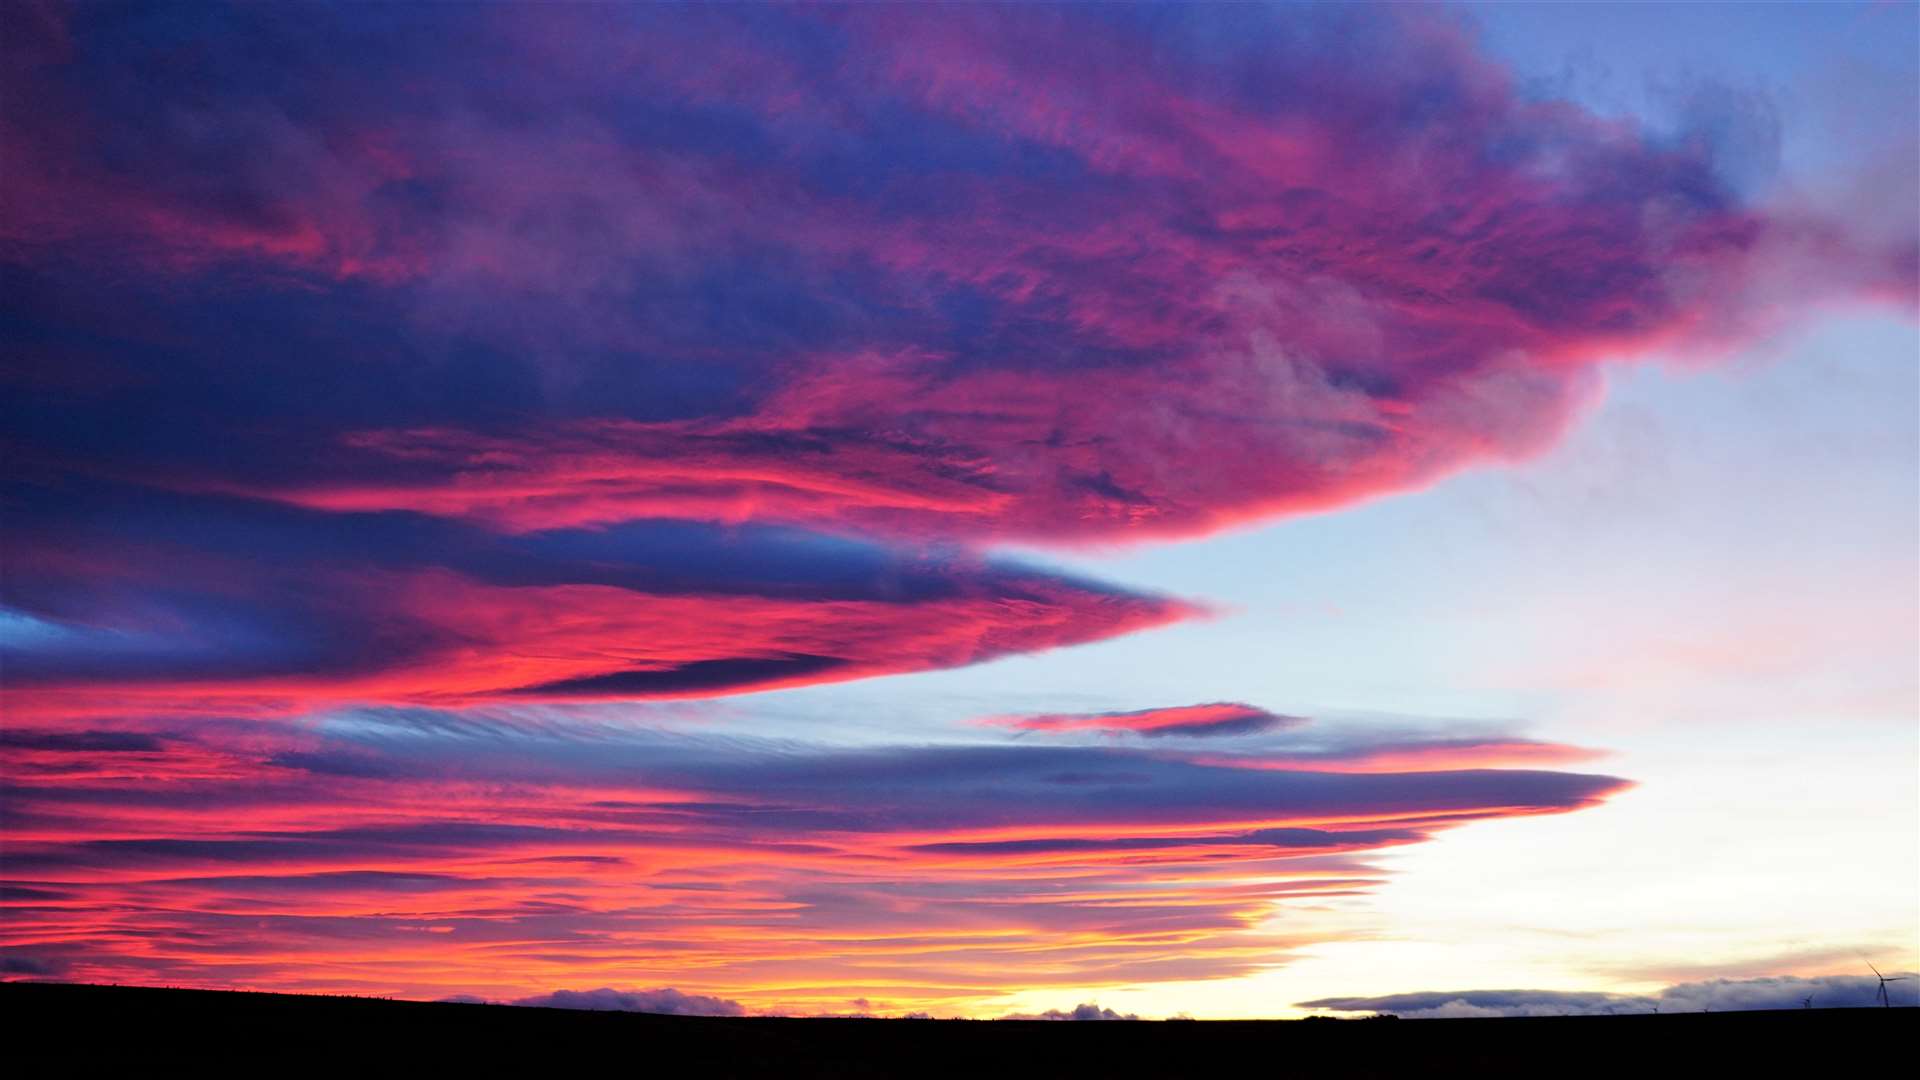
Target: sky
<point>1211,510</point>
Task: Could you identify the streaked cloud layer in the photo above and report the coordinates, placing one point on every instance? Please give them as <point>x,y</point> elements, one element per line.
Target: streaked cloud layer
<point>377,376</point>
<point>436,853</point>
<point>193,601</point>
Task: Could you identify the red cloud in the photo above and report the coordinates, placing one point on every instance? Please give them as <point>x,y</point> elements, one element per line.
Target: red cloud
<point>1062,275</point>
<point>360,354</point>
<point>139,601</point>
<point>1045,274</point>
<point>1216,718</point>
<point>442,638</point>
<point>1433,754</point>
<point>429,855</point>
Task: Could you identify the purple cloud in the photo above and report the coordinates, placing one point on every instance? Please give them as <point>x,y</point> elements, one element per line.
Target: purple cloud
<point>1714,995</point>
<point>558,849</point>
<point>665,1001</point>
<point>1083,1011</point>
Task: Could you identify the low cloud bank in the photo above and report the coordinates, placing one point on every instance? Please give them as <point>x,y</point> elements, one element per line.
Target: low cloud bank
<point>13,963</point>
<point>1084,1011</point>
<point>665,1001</point>
<point>1718,995</point>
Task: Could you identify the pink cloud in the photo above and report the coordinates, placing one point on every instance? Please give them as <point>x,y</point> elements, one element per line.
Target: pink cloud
<point>1218,718</point>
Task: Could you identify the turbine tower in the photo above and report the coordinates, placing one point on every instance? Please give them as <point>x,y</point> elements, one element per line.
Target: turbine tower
<point>1881,993</point>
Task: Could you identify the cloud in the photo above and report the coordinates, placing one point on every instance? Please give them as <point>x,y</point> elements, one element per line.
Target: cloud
<point>17,963</point>
<point>442,359</point>
<point>1253,738</point>
<point>156,598</point>
<point>335,378</point>
<point>1085,1011</point>
<point>1716,995</point>
<point>1387,752</point>
<point>911,276</point>
<point>1213,719</point>
<point>566,846</point>
<point>665,1001</point>
<point>79,742</point>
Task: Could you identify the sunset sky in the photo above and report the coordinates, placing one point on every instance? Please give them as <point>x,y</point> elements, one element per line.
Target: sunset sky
<point>963,509</point>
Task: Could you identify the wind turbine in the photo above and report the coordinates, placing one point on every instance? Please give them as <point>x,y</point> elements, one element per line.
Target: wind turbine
<point>1882,992</point>
<point>1807,1002</point>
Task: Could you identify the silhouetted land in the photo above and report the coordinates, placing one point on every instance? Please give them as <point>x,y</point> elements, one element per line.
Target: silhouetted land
<point>59,1029</point>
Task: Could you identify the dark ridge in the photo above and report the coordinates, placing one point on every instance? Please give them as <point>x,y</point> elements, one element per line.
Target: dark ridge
<point>72,1027</point>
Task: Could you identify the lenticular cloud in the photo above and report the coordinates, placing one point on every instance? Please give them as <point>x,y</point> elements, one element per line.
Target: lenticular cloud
<point>1061,274</point>
<point>413,355</point>
<point>1053,274</point>
<point>161,601</point>
<point>528,850</point>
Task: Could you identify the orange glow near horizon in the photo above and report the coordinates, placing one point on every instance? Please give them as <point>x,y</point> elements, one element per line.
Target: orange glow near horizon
<point>457,456</point>
<point>270,856</point>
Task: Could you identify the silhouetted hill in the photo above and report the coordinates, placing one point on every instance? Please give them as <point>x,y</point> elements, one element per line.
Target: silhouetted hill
<point>65,1027</point>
